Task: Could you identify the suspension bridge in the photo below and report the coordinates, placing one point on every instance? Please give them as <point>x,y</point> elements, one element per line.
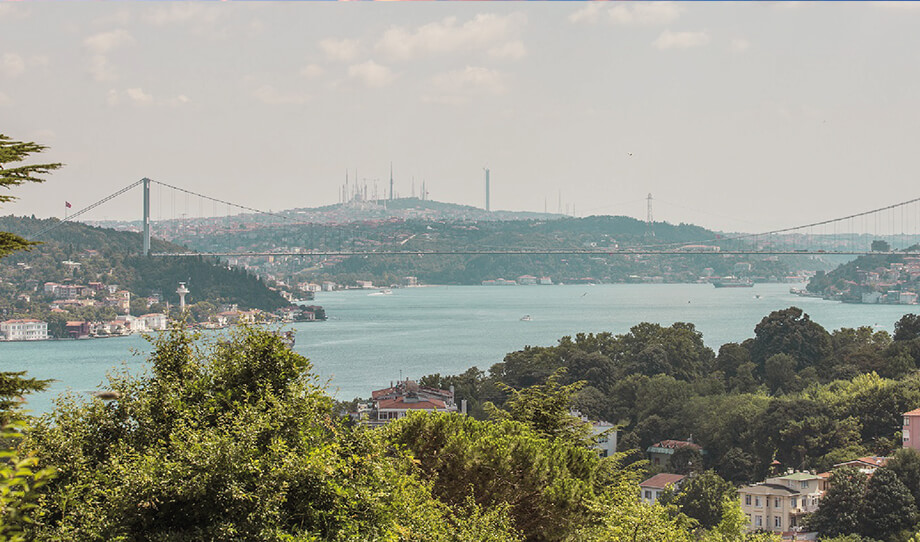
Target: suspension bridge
<point>893,229</point>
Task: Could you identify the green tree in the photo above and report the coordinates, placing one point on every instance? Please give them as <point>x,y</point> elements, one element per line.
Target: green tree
<point>841,508</point>
<point>888,506</point>
<point>702,497</point>
<point>907,328</point>
<point>790,331</point>
<point>906,465</point>
<point>879,245</point>
<point>13,385</point>
<point>231,440</point>
<point>11,153</point>
<point>547,408</point>
<point>779,373</point>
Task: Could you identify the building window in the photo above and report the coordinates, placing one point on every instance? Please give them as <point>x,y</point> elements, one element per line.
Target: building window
<point>777,522</point>
<point>794,502</point>
<point>757,502</point>
<point>747,500</point>
<point>648,495</point>
<point>758,521</point>
<point>906,421</point>
<point>906,435</point>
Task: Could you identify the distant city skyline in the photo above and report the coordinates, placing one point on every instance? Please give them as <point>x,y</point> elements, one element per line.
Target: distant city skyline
<point>736,117</point>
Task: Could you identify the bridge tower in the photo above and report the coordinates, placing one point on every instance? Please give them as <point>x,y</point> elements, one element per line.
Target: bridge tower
<point>648,219</point>
<point>488,207</point>
<point>146,183</point>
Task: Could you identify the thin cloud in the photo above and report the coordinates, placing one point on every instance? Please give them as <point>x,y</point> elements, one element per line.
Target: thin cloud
<point>269,95</point>
<point>139,97</point>
<point>344,50</point>
<point>632,13</point>
<point>739,45</point>
<point>106,42</point>
<point>182,13</point>
<point>591,13</point>
<point>312,70</point>
<point>681,40</point>
<point>100,68</point>
<point>484,32</point>
<point>460,86</point>
<point>512,50</point>
<point>12,65</point>
<point>371,74</point>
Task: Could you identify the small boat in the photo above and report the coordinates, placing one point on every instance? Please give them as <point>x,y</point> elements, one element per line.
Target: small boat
<point>526,318</point>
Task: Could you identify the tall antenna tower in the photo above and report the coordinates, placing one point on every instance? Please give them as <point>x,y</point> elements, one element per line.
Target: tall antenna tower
<point>391,180</point>
<point>648,220</point>
<point>488,208</point>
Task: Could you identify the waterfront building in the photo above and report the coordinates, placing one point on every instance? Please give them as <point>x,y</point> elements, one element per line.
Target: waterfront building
<point>77,328</point>
<point>651,489</point>
<point>546,281</point>
<point>26,329</point>
<point>527,280</point>
<point>154,321</point>
<point>410,281</point>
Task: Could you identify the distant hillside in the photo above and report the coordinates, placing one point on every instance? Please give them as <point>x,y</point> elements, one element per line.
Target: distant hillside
<point>593,233</point>
<point>356,211</point>
<point>113,257</point>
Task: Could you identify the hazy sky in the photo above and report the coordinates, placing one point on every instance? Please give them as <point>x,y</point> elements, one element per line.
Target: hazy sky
<point>744,116</point>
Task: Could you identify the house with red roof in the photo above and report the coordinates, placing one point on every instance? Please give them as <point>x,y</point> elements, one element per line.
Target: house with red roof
<point>652,488</point>
<point>406,396</point>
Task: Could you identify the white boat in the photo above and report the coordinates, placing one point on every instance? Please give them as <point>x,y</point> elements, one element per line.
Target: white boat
<point>526,318</point>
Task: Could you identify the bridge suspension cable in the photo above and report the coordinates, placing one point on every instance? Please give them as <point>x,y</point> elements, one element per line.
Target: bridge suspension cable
<point>86,209</point>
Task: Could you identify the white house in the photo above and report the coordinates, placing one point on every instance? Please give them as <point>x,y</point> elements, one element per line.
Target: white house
<point>27,329</point>
<point>652,488</point>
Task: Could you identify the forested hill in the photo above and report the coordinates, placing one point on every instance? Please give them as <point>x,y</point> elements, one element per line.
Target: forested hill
<point>113,257</point>
<point>595,233</point>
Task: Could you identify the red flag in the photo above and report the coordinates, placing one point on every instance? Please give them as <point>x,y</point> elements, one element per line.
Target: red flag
<point>67,204</point>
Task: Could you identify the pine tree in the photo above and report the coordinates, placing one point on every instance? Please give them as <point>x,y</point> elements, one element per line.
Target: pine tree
<point>12,152</point>
<point>12,384</point>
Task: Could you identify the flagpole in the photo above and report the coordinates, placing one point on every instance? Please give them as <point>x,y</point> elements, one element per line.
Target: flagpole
<point>65,211</point>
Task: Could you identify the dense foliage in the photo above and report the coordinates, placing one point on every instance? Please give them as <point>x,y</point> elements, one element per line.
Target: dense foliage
<point>232,441</point>
<point>794,392</point>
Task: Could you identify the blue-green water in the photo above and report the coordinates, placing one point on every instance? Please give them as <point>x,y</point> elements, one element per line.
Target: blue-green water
<point>370,340</point>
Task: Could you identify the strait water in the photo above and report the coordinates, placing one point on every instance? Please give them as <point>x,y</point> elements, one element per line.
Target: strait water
<point>370,340</point>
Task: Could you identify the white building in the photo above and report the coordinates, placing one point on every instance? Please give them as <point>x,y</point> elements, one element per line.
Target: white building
<point>155,321</point>
<point>27,329</point>
<point>652,488</point>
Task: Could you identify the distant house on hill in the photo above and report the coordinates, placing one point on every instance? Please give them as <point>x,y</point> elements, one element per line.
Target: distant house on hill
<point>660,452</point>
<point>911,433</point>
<point>652,488</point>
<point>778,504</point>
<point>866,465</point>
<point>396,401</point>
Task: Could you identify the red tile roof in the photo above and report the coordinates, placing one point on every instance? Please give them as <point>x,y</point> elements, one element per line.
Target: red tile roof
<point>914,412</point>
<point>400,404</point>
<point>674,444</point>
<point>663,480</point>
